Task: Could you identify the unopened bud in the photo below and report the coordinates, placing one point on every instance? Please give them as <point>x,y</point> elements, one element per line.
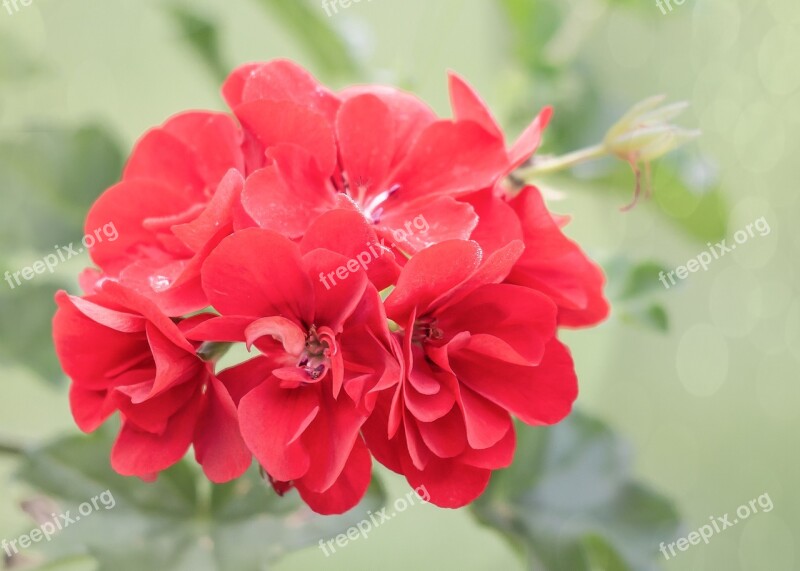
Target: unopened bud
<point>644,132</point>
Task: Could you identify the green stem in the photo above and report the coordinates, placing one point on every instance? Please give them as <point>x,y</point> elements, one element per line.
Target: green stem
<point>212,350</point>
<point>548,165</point>
<point>9,447</point>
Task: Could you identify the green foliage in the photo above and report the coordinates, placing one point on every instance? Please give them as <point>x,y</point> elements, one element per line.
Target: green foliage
<point>533,24</point>
<point>50,177</point>
<point>633,288</point>
<point>179,522</point>
<point>546,38</point>
<point>569,502</point>
<point>699,211</point>
<point>201,34</point>
<point>321,41</point>
<point>27,311</point>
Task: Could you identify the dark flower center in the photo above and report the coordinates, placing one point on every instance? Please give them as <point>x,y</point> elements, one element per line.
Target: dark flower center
<point>315,358</point>
<point>425,329</point>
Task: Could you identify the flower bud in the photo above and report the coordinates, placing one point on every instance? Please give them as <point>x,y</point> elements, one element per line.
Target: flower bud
<point>644,132</point>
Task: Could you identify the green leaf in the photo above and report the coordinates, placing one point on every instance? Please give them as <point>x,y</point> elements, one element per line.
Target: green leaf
<point>628,280</point>
<point>698,207</point>
<point>307,23</point>
<point>50,177</point>
<point>533,23</point>
<point>570,503</point>
<point>201,34</point>
<point>28,311</point>
<point>653,316</point>
<point>180,522</point>
<point>633,288</point>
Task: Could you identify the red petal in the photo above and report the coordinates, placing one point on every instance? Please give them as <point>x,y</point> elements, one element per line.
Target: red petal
<point>445,437</point>
<point>385,451</point>
<point>537,395</point>
<point>288,195</point>
<point>87,350</point>
<point>163,158</point>
<point>279,80</point>
<point>429,274</point>
<point>347,490</point>
<point>336,297</point>
<point>174,364</point>
<point>348,233</point>
<point>468,106</point>
<point>139,453</point>
<point>449,158</point>
<point>244,377</point>
<point>135,302</point>
<point>330,439</point>
<point>486,423</point>
<point>239,277</point>
<point>218,444</point>
<point>271,420</point>
<point>529,140</point>
<point>365,132</point>
<point>279,328</point>
<point>153,415</point>
<point>557,266</point>
<point>234,85</point>
<point>499,455</point>
<point>508,323</point>
<point>415,225</point>
<point>216,217</point>
<point>410,115</point>
<point>127,205</point>
<point>498,224</point>
<point>449,483</point>
<point>214,139</point>
<point>282,122</point>
<point>90,408</point>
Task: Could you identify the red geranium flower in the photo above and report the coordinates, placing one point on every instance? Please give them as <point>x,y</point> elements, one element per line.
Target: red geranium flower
<point>474,352</point>
<point>316,340</point>
<point>294,218</point>
<point>123,354</point>
<point>381,148</point>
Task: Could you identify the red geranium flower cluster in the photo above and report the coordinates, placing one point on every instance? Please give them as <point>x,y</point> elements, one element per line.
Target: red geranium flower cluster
<point>401,304</point>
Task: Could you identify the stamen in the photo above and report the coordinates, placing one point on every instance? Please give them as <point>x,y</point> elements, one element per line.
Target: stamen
<point>371,209</point>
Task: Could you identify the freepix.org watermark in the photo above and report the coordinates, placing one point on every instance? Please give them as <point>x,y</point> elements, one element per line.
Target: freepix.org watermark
<point>661,3</point>
<point>718,525</point>
<point>57,523</point>
<point>364,527</point>
<point>373,251</point>
<point>14,6</point>
<point>715,252</point>
<point>331,7</point>
<point>50,261</point>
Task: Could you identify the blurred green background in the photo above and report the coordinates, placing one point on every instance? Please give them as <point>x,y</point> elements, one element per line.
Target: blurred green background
<point>700,380</point>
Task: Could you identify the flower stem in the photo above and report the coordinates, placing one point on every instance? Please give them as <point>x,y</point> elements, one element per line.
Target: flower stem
<point>213,350</point>
<point>548,165</point>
